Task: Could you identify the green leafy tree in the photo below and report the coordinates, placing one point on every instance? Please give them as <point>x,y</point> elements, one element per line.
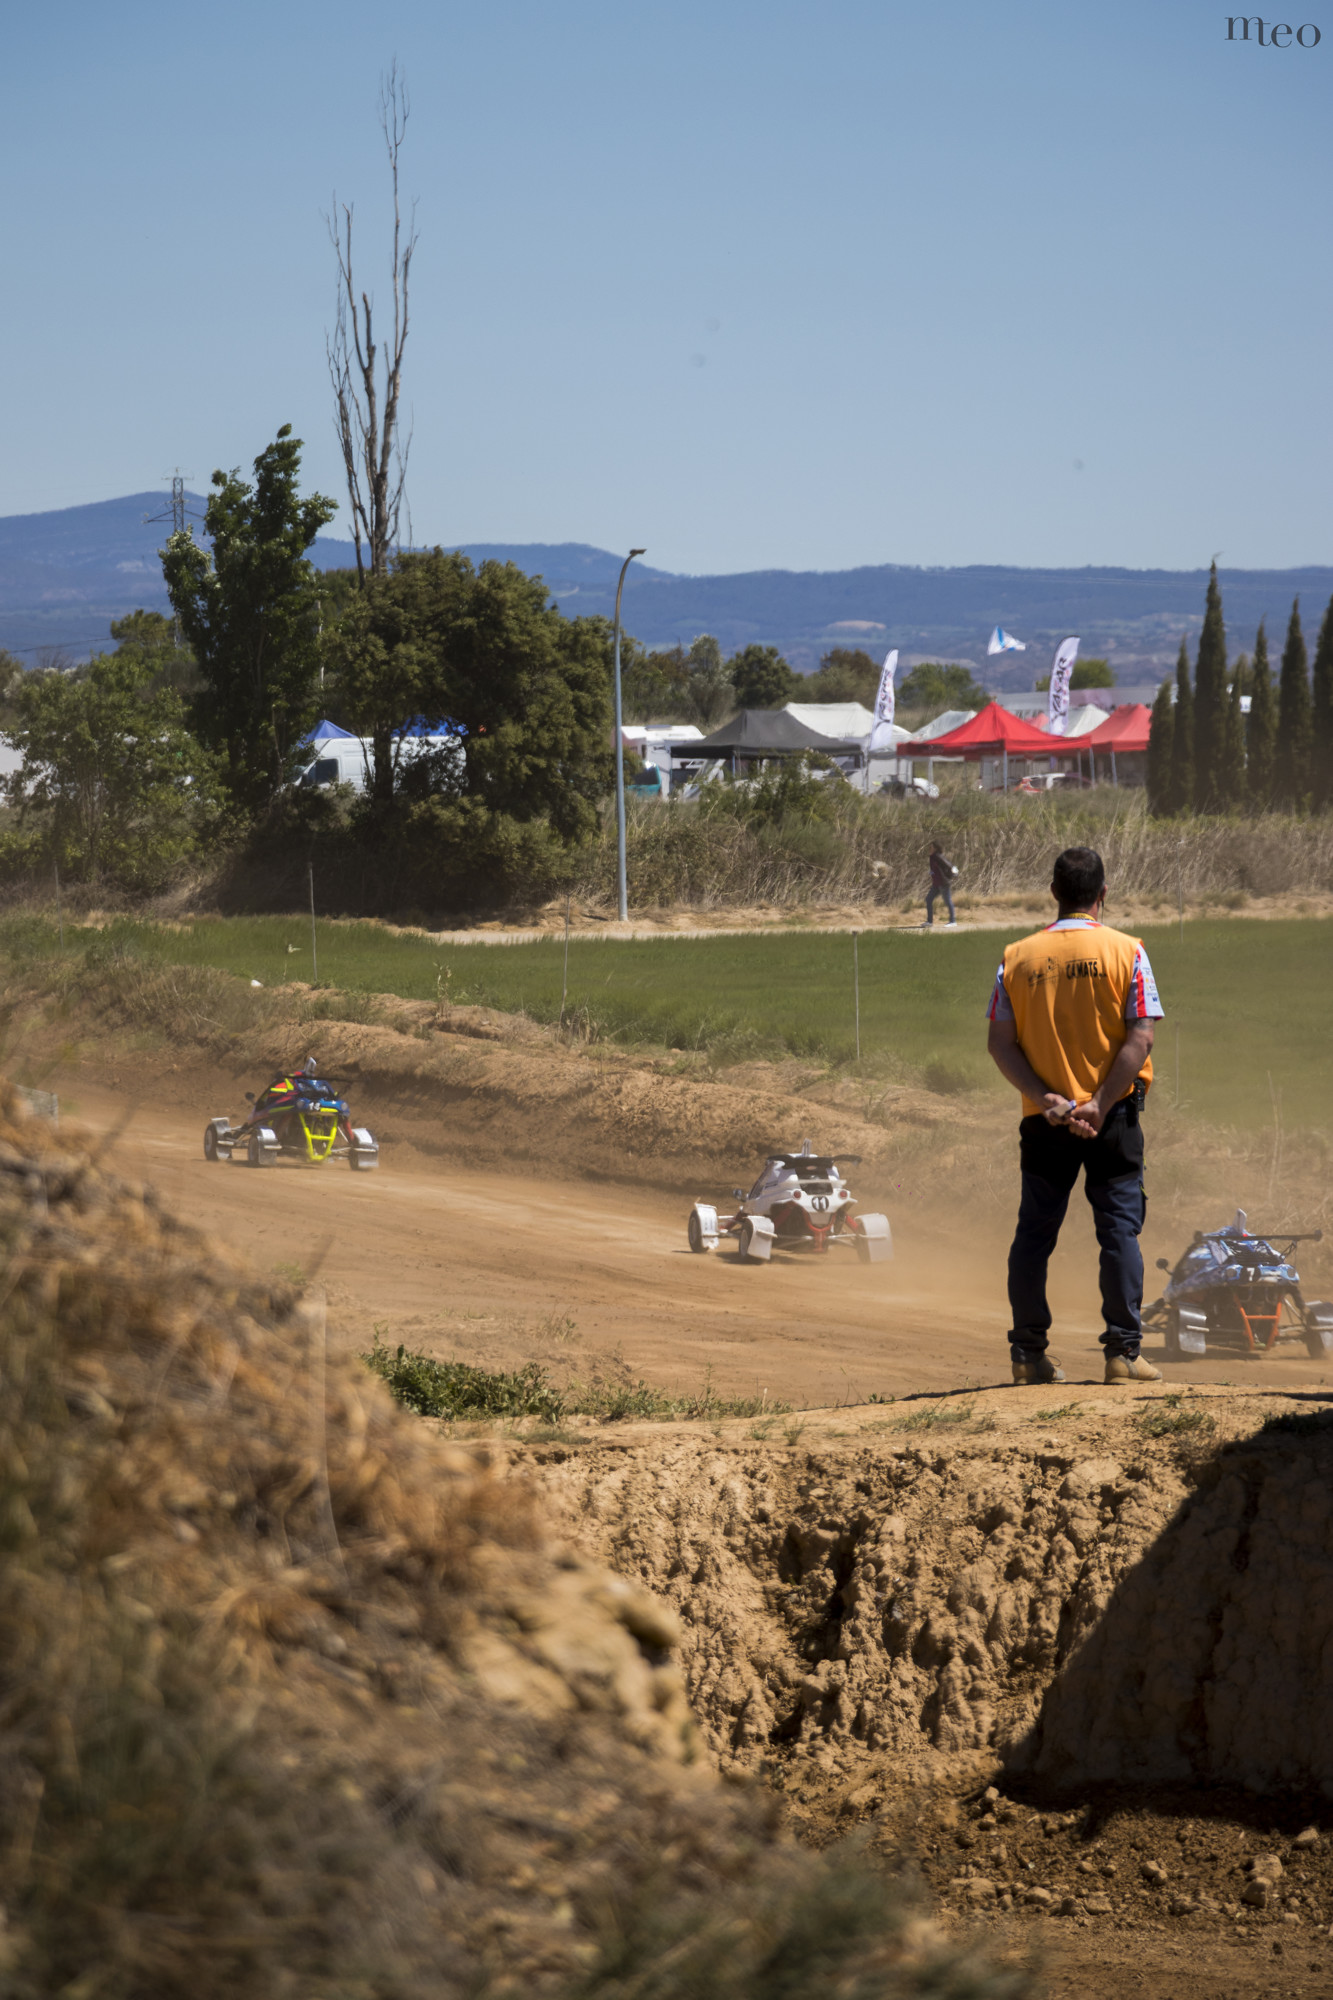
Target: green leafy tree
<point>248,612</point>
<point>1181,794</point>
<point>11,680</point>
<point>761,678</point>
<point>939,685</point>
<point>385,658</point>
<point>1160,731</point>
<point>1321,718</point>
<point>1093,673</point>
<point>1260,729</point>
<point>845,673</point>
<point>1210,699</point>
<point>122,788</point>
<point>486,650</point>
<point>1291,764</point>
<point>1231,767</point>
<point>532,693</point>
<point>709,690</point>
<point>153,639</point>
<point>654,687</point>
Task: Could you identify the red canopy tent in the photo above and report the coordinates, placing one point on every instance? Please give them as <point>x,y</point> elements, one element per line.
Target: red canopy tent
<point>1125,729</point>
<point>992,732</point>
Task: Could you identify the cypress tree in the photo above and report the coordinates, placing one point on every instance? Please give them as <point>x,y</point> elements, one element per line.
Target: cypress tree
<point>1160,732</point>
<point>1260,734</point>
<point>1292,761</point>
<point>1210,696</point>
<point>1180,796</point>
<point>1321,718</point>
<point>1231,768</point>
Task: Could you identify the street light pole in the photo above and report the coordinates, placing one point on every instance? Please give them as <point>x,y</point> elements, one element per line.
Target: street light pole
<point>621,879</point>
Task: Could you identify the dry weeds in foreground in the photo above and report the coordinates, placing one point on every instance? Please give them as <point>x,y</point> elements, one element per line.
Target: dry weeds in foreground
<point>297,1699</point>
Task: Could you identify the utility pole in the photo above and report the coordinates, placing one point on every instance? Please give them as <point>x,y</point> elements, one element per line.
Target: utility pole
<point>620,755</point>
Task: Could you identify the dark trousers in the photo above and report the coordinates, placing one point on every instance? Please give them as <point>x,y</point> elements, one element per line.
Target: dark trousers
<point>939,889</point>
<point>1051,1157</point>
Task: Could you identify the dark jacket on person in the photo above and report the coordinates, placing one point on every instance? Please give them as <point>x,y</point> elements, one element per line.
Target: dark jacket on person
<point>942,871</point>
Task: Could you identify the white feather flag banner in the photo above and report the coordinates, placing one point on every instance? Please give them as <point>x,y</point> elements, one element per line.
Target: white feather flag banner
<point>1004,642</point>
<point>881,736</point>
<point>1057,706</point>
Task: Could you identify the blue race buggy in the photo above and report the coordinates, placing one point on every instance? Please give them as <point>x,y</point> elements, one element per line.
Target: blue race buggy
<point>301,1114</point>
<point>1238,1289</point>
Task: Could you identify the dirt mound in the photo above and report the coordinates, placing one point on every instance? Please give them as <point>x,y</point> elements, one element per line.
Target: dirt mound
<point>891,1598</point>
<point>1211,1661</point>
<point>1127,1610</point>
<point>297,1697</point>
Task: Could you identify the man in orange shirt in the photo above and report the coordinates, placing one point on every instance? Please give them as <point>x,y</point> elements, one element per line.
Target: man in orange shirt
<point>1071,1019</point>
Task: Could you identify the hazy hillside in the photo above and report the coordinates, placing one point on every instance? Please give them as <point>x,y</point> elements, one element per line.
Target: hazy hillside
<point>65,575</point>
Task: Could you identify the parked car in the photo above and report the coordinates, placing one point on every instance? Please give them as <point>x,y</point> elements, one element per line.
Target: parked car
<point>909,788</point>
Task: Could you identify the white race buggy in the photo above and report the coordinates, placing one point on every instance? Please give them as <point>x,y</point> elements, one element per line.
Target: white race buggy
<point>800,1201</point>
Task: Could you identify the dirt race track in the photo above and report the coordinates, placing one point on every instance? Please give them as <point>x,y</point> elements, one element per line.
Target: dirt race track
<point>498,1269</point>
<point>591,1275</point>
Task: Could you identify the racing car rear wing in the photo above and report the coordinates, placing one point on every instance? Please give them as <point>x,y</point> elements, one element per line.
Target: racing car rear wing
<point>1258,1236</point>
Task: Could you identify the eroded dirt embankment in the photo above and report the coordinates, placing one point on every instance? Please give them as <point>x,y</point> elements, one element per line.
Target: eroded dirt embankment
<point>884,1621</point>
<point>1080,1599</point>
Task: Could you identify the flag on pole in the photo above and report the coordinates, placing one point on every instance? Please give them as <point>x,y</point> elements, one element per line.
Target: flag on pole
<point>1057,706</point>
<point>1003,642</point>
<point>881,736</point>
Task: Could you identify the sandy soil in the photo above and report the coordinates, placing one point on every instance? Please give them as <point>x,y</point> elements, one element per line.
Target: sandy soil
<point>497,1269</point>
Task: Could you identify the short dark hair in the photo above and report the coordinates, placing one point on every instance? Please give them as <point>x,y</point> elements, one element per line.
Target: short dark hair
<point>1078,878</point>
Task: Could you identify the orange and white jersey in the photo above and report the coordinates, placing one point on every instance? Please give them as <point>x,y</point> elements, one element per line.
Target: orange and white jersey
<point>1070,991</point>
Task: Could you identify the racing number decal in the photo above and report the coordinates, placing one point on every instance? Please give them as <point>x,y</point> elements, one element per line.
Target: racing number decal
<point>819,1201</point>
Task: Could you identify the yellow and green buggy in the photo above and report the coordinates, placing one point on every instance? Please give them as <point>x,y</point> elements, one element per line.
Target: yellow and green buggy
<point>299,1115</point>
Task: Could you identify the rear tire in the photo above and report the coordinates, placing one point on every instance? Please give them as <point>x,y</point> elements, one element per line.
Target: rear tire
<point>258,1155</point>
<point>1174,1350</point>
<point>362,1163</point>
<point>694,1230</point>
<point>743,1242</point>
<point>211,1153</point>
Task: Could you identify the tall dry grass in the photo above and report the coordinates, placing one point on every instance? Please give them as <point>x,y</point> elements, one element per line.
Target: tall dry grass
<point>875,850</point>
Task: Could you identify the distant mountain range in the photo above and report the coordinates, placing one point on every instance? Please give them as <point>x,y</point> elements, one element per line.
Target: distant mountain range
<point>65,575</point>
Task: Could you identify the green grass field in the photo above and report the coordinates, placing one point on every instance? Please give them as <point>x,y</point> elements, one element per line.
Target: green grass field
<point>1250,1000</point>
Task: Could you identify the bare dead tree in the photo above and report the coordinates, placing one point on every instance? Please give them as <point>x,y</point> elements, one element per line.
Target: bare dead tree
<point>374,452</point>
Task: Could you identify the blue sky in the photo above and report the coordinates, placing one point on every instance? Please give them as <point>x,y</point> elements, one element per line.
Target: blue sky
<point>799,285</point>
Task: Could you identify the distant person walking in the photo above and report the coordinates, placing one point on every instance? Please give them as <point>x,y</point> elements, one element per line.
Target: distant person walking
<point>942,874</point>
<point>1071,1027</point>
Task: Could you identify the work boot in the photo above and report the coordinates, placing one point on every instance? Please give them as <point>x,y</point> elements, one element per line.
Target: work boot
<point>1119,1368</point>
<point>1042,1369</point>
